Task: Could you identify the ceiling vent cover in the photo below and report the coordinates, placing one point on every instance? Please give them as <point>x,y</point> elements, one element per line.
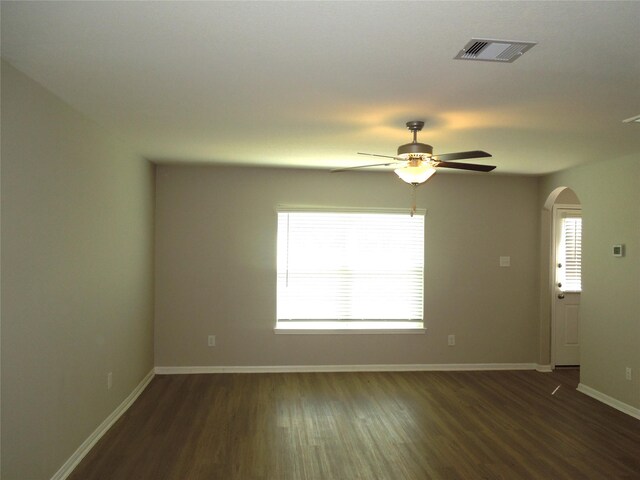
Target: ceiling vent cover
<point>483,50</point>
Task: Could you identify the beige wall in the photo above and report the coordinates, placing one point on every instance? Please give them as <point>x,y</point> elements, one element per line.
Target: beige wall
<point>77,277</point>
<point>215,267</point>
<point>610,302</point>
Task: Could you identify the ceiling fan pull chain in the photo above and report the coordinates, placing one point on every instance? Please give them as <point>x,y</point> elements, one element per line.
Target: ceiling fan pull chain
<point>413,198</point>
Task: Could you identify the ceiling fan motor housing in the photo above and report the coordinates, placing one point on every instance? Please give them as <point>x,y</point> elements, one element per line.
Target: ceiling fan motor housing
<point>415,149</point>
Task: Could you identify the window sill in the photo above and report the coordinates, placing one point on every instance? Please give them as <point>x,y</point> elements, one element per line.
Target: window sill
<point>323,328</point>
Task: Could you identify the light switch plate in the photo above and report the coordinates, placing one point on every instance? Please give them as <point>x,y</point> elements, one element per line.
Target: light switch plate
<point>505,261</point>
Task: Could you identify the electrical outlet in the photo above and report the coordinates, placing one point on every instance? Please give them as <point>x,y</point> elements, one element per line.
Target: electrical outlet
<point>627,373</point>
<point>451,340</point>
<point>109,380</point>
<point>212,341</point>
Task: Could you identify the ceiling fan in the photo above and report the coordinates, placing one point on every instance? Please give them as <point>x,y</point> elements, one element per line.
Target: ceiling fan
<point>416,162</point>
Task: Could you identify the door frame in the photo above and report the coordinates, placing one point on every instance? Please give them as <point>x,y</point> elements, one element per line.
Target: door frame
<point>553,269</point>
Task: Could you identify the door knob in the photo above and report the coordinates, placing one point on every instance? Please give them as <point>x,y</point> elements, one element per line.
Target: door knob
<point>561,296</point>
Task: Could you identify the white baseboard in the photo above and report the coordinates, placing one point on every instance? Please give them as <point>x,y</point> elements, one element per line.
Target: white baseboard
<point>437,367</point>
<point>544,368</point>
<point>607,400</point>
<point>86,446</point>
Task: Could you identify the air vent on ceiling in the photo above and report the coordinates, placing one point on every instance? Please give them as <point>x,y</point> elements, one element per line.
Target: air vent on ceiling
<point>484,50</point>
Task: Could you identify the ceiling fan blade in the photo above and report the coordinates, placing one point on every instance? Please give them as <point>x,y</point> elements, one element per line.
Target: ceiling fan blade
<point>363,166</point>
<point>465,166</point>
<point>377,155</point>
<point>461,155</point>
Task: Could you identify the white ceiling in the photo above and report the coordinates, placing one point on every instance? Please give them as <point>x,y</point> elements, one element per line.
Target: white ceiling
<point>311,83</point>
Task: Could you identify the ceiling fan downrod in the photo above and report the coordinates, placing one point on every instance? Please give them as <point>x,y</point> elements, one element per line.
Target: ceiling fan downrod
<point>415,126</point>
<point>415,148</point>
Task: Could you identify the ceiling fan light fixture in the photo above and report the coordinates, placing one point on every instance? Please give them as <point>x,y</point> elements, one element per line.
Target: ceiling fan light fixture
<point>415,175</point>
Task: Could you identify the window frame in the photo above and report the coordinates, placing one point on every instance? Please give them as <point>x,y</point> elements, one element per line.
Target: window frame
<point>569,284</point>
<point>348,326</point>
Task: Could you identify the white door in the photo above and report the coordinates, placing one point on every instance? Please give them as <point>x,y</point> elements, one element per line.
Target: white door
<point>567,285</point>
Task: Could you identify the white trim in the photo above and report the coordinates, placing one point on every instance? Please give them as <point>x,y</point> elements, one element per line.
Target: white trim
<point>88,444</point>
<point>436,367</point>
<point>284,208</point>
<point>342,331</point>
<point>544,368</point>
<point>607,400</point>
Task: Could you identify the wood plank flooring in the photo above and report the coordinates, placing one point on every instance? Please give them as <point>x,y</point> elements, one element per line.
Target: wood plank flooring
<point>395,426</point>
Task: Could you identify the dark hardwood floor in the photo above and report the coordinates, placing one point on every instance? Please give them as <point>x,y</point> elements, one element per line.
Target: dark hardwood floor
<point>396,426</point>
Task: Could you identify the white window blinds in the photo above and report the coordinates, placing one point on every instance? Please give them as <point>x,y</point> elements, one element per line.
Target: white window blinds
<point>350,267</point>
<point>571,253</point>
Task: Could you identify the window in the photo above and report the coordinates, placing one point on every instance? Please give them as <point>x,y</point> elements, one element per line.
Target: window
<point>348,270</point>
<point>571,253</point>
